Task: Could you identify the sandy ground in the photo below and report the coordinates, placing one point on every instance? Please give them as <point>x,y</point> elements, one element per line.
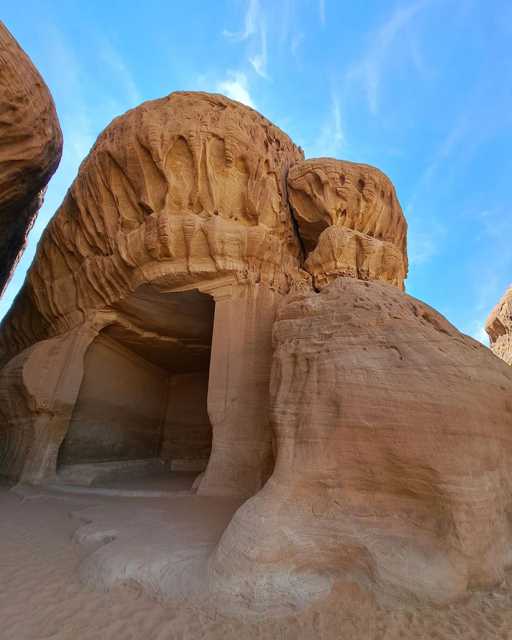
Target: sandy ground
<point>42,596</point>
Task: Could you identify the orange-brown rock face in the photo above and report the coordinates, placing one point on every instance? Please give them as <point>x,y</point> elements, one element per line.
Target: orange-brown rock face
<point>164,269</point>
<point>499,327</point>
<point>394,449</point>
<point>349,220</point>
<point>181,189</point>
<point>182,194</point>
<point>30,148</point>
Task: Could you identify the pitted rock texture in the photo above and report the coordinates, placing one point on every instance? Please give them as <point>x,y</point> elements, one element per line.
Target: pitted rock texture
<point>185,188</point>
<point>499,327</point>
<point>390,430</point>
<point>182,194</point>
<point>349,220</point>
<point>30,148</point>
<point>394,455</point>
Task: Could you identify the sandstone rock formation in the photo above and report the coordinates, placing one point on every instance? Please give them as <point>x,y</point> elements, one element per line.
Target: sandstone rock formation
<point>379,452</point>
<point>30,148</point>
<point>186,193</point>
<point>349,220</point>
<point>179,190</point>
<point>499,327</point>
<point>393,436</point>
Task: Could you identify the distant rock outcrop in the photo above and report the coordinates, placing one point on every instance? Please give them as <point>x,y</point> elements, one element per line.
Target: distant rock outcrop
<point>499,327</point>
<point>30,148</point>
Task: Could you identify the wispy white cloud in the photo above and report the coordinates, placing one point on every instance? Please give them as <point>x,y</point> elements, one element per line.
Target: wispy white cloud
<point>424,242</point>
<point>236,86</point>
<point>331,139</point>
<point>493,267</point>
<point>421,248</point>
<point>259,59</point>
<point>368,70</point>
<point>114,61</point>
<point>73,109</point>
<point>295,43</point>
<point>448,145</point>
<point>255,32</point>
<point>489,272</point>
<point>415,54</point>
<point>79,140</point>
<point>477,331</point>
<point>287,28</point>
<point>477,317</point>
<point>321,11</point>
<point>338,136</point>
<point>250,22</point>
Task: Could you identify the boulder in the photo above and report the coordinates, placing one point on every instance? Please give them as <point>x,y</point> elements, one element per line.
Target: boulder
<point>349,220</point>
<point>393,434</point>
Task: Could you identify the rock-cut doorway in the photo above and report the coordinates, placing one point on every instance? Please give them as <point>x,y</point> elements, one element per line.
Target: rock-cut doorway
<point>141,417</point>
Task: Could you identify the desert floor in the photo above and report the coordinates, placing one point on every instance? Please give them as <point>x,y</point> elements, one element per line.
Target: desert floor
<point>43,596</point>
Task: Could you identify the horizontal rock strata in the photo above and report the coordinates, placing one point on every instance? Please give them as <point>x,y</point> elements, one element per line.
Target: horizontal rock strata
<point>349,220</point>
<point>181,189</point>
<point>394,450</point>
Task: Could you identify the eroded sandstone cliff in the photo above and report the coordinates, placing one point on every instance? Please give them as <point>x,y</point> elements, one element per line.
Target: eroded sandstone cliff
<point>189,187</point>
<point>30,148</point>
<point>378,452</point>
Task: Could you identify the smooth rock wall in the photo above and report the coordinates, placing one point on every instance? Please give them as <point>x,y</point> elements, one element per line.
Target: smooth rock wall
<point>120,407</point>
<point>187,432</point>
<point>394,456</point>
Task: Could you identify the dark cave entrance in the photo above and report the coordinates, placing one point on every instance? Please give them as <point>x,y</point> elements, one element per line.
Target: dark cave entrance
<point>142,404</point>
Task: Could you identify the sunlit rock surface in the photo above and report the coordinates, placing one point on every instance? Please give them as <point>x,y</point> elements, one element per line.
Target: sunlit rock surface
<point>499,327</point>
<point>349,220</point>
<point>30,148</point>
<point>393,438</point>
<point>207,300</point>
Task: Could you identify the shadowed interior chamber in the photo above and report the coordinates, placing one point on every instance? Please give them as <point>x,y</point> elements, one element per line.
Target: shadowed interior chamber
<point>145,385</point>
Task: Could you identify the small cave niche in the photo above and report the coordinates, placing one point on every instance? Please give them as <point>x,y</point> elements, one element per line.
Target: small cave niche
<point>142,405</point>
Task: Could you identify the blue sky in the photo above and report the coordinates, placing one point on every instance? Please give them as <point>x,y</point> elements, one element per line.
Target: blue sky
<point>421,89</point>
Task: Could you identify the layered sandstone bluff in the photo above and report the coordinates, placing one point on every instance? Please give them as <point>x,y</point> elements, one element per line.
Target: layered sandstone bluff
<point>30,148</point>
<point>208,298</point>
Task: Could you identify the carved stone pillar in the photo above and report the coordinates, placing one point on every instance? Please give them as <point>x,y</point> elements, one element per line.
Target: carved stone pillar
<point>238,390</point>
<point>38,390</point>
